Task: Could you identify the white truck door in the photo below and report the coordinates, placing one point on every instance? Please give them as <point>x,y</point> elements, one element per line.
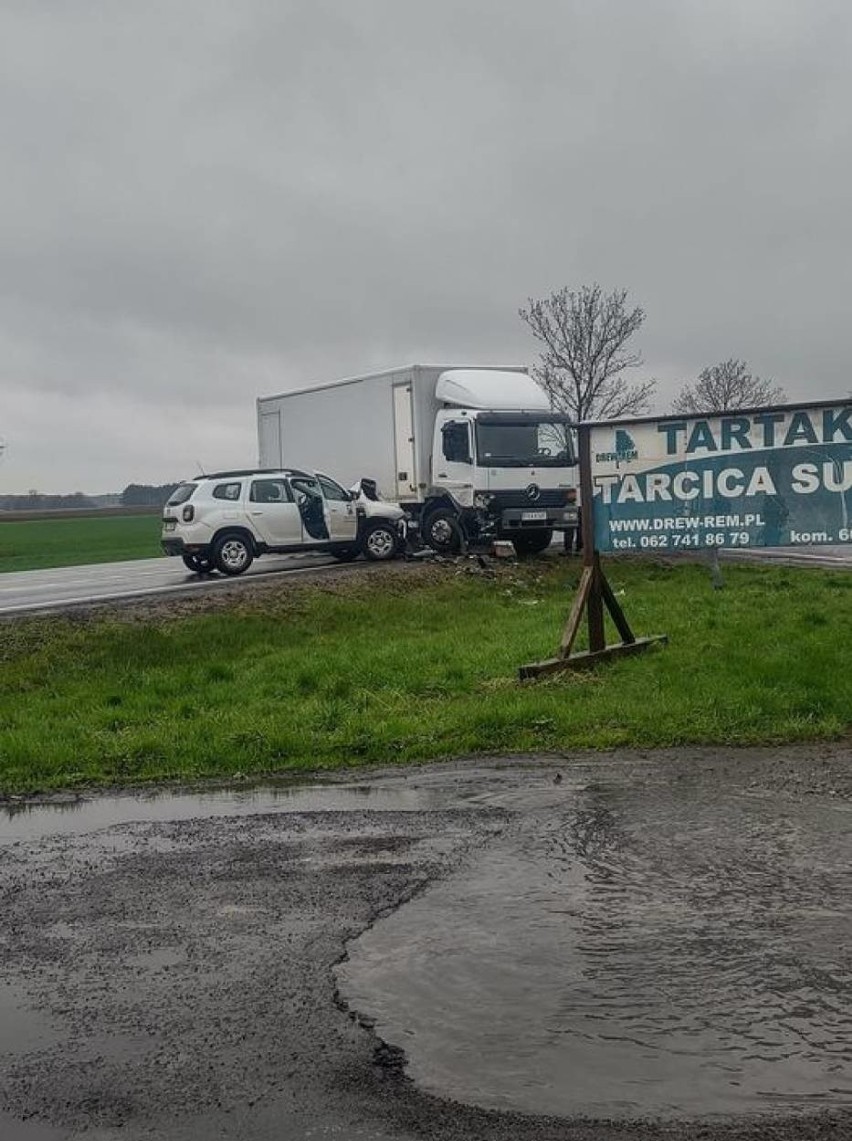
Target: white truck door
<point>339,510</point>
<point>453,457</point>
<point>403,430</point>
<point>269,438</point>
<point>273,512</point>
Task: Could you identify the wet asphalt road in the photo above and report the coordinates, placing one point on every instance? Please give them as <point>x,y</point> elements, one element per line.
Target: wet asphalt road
<point>443,952</point>
<point>837,556</point>
<point>65,588</point>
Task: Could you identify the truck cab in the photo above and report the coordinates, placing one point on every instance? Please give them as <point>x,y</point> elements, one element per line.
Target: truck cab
<point>503,464</point>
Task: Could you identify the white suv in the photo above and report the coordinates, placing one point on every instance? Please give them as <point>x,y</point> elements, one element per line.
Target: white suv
<point>223,521</point>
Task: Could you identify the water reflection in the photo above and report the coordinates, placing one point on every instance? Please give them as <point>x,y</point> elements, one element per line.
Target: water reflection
<point>28,820</point>
<point>638,953</point>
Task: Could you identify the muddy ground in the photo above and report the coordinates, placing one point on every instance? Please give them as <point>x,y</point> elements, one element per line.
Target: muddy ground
<point>196,978</point>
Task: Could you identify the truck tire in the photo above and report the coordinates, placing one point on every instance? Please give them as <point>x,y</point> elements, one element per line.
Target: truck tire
<point>532,542</point>
<point>442,531</point>
<point>232,553</point>
<point>344,554</point>
<point>380,542</point>
<point>199,564</point>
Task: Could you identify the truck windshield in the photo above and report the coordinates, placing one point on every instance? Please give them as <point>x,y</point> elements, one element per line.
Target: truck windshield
<point>523,443</point>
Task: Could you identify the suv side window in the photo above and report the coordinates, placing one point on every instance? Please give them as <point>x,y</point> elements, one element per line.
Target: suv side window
<point>270,491</point>
<point>332,490</point>
<point>227,491</point>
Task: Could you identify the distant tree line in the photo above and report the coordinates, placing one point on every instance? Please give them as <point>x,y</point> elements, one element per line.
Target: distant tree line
<point>134,495</point>
<point>146,494</point>
<point>35,501</point>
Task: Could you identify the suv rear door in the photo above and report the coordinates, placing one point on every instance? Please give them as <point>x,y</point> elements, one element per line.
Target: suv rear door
<point>273,512</point>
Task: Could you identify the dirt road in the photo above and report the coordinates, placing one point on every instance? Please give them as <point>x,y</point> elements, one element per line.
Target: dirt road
<point>438,952</point>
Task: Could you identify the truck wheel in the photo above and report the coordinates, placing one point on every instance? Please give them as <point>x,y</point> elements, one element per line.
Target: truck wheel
<point>532,542</point>
<point>380,542</point>
<point>442,531</point>
<point>232,554</point>
<point>199,564</point>
<point>344,554</point>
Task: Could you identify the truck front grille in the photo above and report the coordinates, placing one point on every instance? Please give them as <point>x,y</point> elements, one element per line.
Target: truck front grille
<point>547,497</point>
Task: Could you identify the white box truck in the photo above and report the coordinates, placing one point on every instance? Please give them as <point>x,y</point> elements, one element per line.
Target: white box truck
<point>473,453</point>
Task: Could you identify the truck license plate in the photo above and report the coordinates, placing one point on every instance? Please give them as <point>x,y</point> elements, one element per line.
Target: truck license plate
<point>533,516</point>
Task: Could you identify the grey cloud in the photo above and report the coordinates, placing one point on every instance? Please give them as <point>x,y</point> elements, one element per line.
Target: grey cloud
<point>203,202</point>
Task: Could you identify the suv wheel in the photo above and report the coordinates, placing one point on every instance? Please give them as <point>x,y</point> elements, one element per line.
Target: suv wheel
<point>380,542</point>
<point>199,564</point>
<point>232,554</point>
<point>532,542</point>
<point>344,554</point>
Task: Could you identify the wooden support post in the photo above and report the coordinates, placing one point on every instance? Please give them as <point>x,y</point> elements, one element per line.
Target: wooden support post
<point>578,608</point>
<point>586,659</point>
<point>613,606</point>
<point>591,562</point>
<point>594,609</point>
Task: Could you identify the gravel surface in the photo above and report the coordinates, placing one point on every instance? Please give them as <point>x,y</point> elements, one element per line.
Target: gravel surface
<point>177,978</point>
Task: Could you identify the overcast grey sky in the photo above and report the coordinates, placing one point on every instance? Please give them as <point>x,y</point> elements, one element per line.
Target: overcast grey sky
<point>204,201</point>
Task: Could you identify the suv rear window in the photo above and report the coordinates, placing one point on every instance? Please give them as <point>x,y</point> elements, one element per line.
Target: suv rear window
<point>227,491</point>
<point>181,494</point>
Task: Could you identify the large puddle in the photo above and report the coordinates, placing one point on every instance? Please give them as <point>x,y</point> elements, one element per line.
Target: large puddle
<point>628,948</point>
<point>630,953</point>
<point>29,820</point>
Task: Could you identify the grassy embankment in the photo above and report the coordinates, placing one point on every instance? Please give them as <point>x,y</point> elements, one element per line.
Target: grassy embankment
<point>420,665</point>
<point>38,543</point>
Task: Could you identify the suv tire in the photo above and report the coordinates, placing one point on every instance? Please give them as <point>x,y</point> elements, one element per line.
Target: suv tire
<point>380,542</point>
<point>344,554</point>
<point>532,542</point>
<point>232,553</point>
<point>198,564</point>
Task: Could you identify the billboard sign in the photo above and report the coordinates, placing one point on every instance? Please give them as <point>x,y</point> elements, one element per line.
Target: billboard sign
<point>769,477</point>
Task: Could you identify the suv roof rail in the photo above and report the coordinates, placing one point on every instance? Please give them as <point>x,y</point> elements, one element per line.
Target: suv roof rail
<point>249,472</point>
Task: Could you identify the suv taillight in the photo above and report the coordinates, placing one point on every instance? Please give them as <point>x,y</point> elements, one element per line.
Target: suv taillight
<point>188,513</point>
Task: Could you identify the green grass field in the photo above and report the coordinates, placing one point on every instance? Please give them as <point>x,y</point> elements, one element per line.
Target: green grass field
<point>416,666</point>
<point>34,544</point>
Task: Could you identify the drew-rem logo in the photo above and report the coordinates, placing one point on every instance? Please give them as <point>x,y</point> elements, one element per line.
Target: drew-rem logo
<point>625,449</point>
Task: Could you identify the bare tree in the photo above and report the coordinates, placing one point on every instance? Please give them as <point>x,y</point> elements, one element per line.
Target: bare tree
<point>585,356</point>
<point>725,387</point>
